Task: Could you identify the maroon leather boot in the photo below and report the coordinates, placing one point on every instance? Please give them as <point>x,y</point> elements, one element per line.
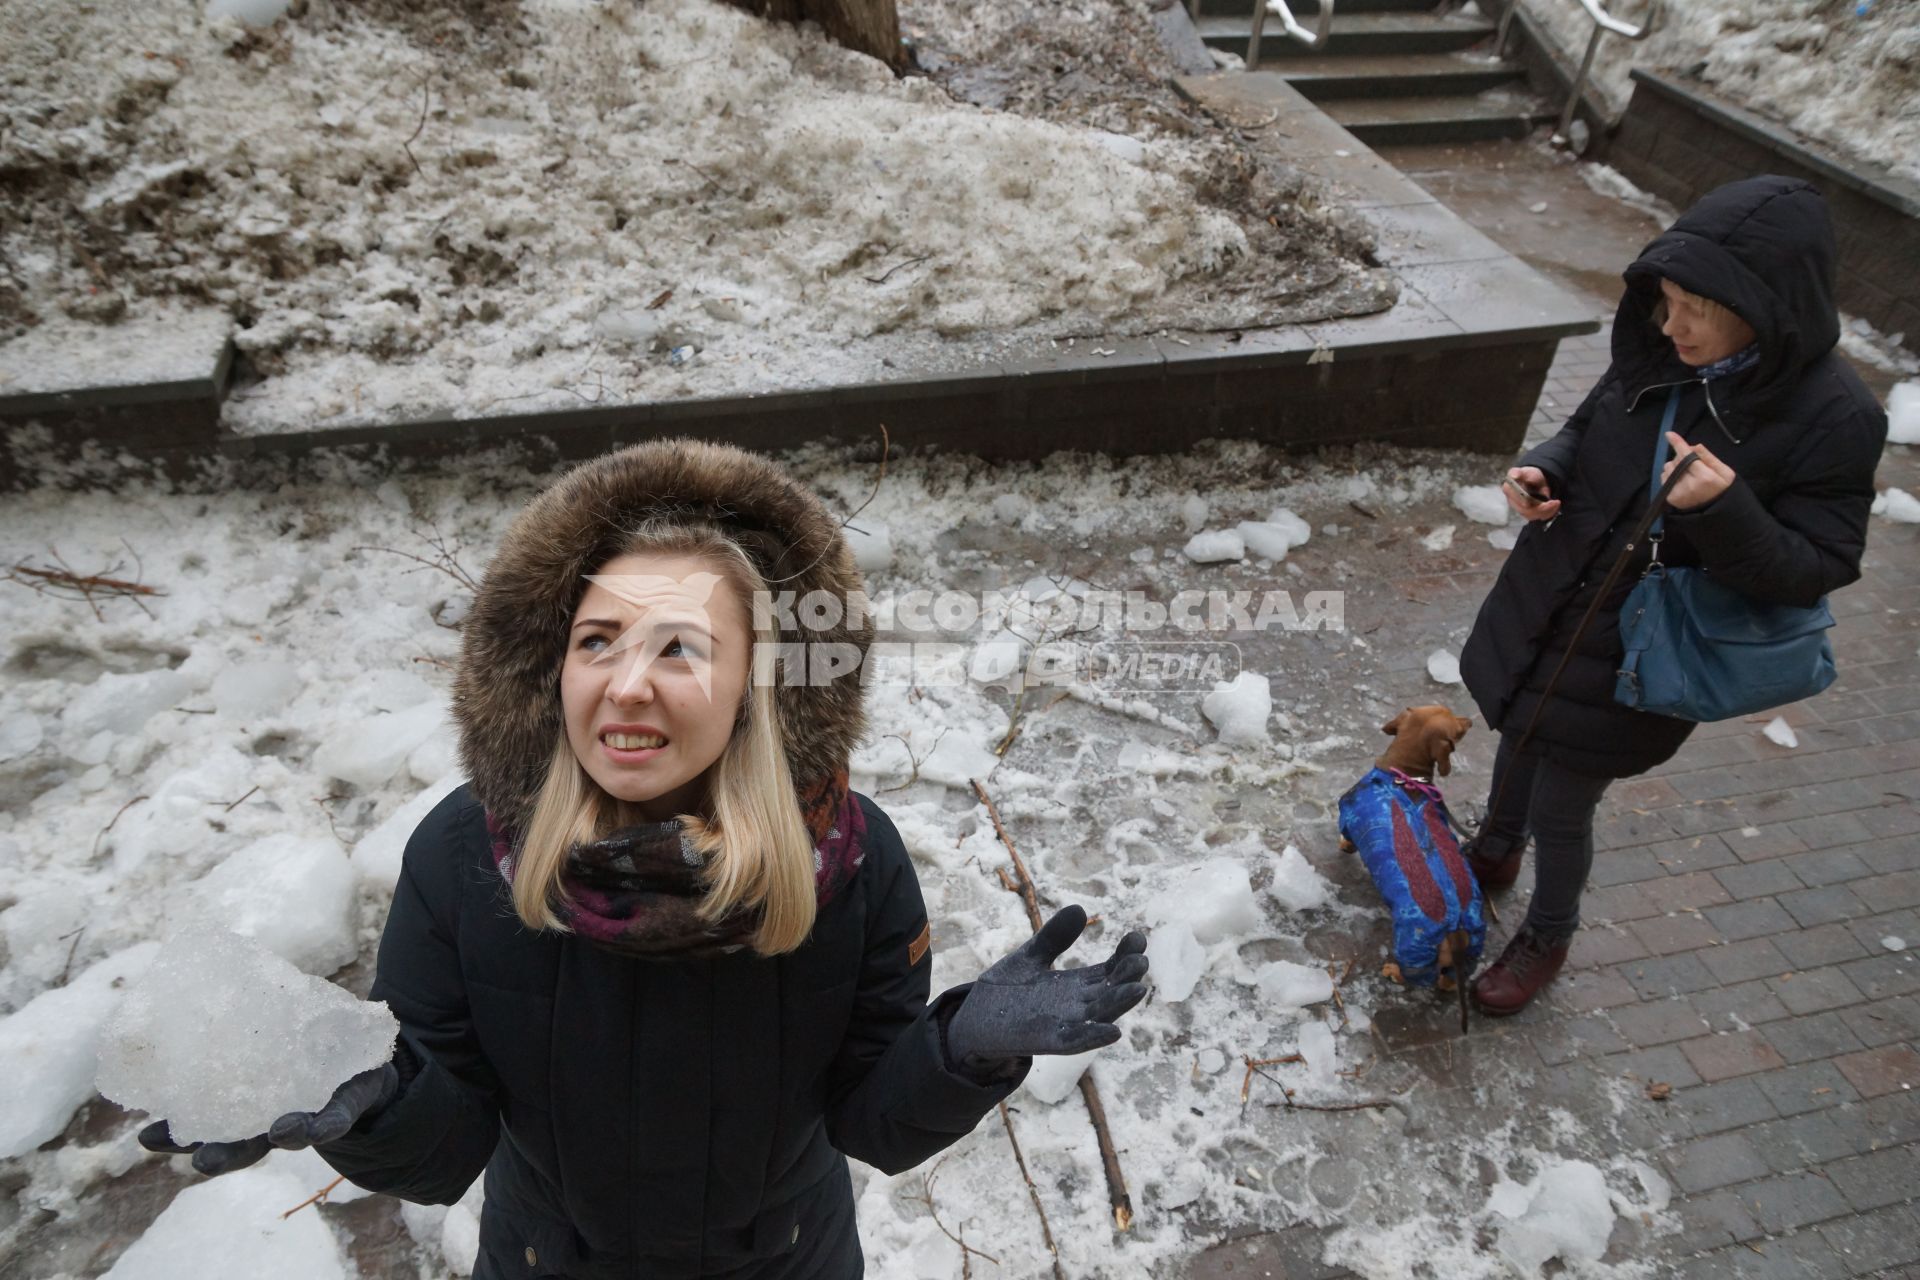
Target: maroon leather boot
<point>1511,982</point>
<point>1492,868</point>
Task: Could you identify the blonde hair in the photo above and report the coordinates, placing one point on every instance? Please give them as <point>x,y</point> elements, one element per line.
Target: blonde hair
<point>1710,308</point>
<point>759,852</point>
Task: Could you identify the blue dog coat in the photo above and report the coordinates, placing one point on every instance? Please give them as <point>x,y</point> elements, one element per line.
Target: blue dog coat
<point>1401,829</point>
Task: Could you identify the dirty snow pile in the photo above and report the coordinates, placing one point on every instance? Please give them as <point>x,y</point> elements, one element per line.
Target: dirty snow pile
<point>1846,74</point>
<point>414,211</point>
<point>282,711</point>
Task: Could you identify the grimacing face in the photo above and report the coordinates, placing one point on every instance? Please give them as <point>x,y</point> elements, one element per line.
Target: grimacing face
<point>1701,335</point>
<point>657,662</point>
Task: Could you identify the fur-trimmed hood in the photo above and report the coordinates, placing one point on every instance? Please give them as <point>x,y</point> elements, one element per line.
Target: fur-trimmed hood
<point>506,696</point>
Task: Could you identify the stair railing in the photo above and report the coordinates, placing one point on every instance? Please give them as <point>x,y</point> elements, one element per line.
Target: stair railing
<point>1603,22</point>
<point>1312,39</point>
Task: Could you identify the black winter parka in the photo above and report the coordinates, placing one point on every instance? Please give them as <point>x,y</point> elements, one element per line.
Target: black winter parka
<point>652,1120</point>
<point>1799,429</point>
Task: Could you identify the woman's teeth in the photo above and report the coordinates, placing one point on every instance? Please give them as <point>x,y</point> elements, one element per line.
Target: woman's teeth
<point>633,741</point>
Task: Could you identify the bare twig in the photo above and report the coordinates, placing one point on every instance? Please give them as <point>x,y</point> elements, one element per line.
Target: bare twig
<point>926,1197</point>
<point>234,804</point>
<point>883,277</point>
<point>1118,1198</point>
<point>660,300</point>
<point>426,100</point>
<point>116,817</point>
<point>65,582</point>
<point>1246,1082</point>
<point>1046,1231</point>
<point>886,449</point>
<point>67,968</point>
<point>316,1198</point>
<point>912,759</point>
<point>445,559</point>
<point>1286,1096</point>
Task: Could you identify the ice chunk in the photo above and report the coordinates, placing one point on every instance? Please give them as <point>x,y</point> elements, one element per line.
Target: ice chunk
<point>1175,962</point>
<point>1185,1183</point>
<point>293,893</point>
<point>1293,986</point>
<point>378,855</point>
<point>1298,530</point>
<point>247,690</point>
<point>1780,732</point>
<point>1567,1214</point>
<point>1213,899</point>
<point>1193,512</point>
<point>48,1048</point>
<point>1322,1055</point>
<point>460,1239</point>
<point>1903,414</point>
<point>1211,1061</point>
<point>20,733</point>
<point>369,752</point>
<point>255,13</point>
<point>871,543</point>
<point>1239,709</point>
<point>1265,539</point>
<point>1484,503</point>
<point>1503,539</point>
<point>232,1226</point>
<point>1215,546</point>
<point>1011,508</point>
<point>1897,505</point>
<point>1892,943</point>
<point>1444,667</point>
<point>1440,539</point>
<point>1054,1075</point>
<point>284,1040</point>
<point>121,704</point>
<point>1296,883</point>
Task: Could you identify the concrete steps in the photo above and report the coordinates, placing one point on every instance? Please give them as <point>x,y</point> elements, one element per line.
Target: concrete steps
<point>1391,71</point>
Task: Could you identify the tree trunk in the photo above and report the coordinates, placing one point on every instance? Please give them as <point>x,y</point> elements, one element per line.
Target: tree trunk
<point>869,26</point>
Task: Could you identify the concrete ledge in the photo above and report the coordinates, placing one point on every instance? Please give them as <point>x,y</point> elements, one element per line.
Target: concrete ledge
<point>1680,142</point>
<point>1458,362</point>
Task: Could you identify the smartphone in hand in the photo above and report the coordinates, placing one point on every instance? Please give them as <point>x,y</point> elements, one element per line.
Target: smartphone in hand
<point>1525,494</point>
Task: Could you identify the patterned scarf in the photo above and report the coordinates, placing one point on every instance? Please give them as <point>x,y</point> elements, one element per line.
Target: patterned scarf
<point>637,891</point>
<point>1745,358</point>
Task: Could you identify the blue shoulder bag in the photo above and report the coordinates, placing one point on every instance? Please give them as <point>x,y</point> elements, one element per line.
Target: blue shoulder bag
<point>1697,649</point>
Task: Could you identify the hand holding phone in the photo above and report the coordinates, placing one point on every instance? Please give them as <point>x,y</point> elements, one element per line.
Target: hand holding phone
<point>1523,493</point>
<point>1526,490</point>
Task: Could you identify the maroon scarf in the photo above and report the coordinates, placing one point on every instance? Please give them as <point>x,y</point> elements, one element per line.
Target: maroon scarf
<point>638,890</point>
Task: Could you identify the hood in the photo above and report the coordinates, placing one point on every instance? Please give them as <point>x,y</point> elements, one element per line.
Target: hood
<point>1763,247</point>
<point>506,694</point>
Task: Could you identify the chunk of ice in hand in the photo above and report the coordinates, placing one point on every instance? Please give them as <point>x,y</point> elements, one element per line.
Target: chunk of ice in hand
<point>221,1037</point>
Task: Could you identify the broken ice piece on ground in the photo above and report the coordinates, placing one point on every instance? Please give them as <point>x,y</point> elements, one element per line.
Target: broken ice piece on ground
<point>1296,883</point>
<point>236,1225</point>
<point>1239,709</point>
<point>1287,985</point>
<point>1175,962</point>
<point>1298,530</point>
<point>1565,1213</point>
<point>1897,505</point>
<point>1265,539</point>
<point>1054,1076</point>
<point>1321,1054</point>
<point>1892,943</point>
<point>1444,667</point>
<point>1779,731</point>
<point>1903,414</point>
<point>1503,539</point>
<point>48,1049</point>
<point>1193,512</point>
<point>1214,546</point>
<point>1440,539</point>
<point>1484,503</point>
<point>283,1040</point>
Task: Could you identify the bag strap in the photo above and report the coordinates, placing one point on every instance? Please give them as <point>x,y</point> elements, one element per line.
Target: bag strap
<point>1649,524</point>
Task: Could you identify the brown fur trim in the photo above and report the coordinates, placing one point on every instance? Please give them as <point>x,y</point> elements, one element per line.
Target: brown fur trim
<point>506,695</point>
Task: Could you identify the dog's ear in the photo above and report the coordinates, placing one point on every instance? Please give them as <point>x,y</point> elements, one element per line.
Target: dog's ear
<point>1392,727</point>
<point>1439,745</point>
<point>1460,726</point>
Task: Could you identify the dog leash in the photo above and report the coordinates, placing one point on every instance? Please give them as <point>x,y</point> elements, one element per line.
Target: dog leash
<point>1655,509</point>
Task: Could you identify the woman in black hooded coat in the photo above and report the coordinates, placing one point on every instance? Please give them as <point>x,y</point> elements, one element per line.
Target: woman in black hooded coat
<point>1776,508</point>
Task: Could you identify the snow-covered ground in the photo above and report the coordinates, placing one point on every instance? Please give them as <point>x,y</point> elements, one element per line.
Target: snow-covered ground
<point>1842,72</point>
<point>423,210</point>
<point>287,687</point>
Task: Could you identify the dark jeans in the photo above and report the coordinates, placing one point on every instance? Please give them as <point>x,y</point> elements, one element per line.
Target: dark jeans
<point>1555,806</point>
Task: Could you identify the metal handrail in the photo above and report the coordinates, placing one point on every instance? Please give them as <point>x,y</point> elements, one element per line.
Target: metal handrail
<point>1603,22</point>
<point>1312,39</point>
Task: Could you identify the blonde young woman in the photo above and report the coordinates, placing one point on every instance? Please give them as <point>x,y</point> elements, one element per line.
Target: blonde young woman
<point>1730,314</point>
<point>658,971</point>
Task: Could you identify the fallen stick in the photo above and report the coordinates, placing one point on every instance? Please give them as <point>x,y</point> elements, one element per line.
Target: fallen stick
<point>1286,1097</point>
<point>1046,1231</point>
<point>1246,1081</point>
<point>316,1197</point>
<point>1117,1197</point>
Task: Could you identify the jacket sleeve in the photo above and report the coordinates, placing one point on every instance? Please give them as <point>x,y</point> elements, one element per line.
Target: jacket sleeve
<point>1808,542</point>
<point>891,1100</point>
<point>432,1141</point>
<point>1555,456</point>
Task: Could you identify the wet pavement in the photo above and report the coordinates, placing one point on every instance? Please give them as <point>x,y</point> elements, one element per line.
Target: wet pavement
<point>1751,924</point>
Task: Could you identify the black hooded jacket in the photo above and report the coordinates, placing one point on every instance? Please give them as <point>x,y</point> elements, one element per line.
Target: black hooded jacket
<point>1799,429</point>
<point>652,1119</point>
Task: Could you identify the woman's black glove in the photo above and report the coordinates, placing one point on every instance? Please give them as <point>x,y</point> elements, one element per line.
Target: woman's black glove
<point>1023,1006</point>
<point>366,1093</point>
